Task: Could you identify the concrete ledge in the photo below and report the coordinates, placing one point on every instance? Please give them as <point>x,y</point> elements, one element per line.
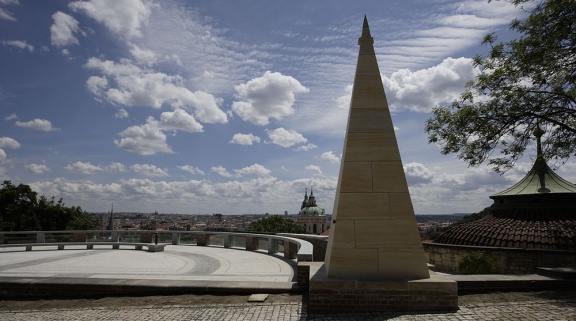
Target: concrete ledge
<point>70,287</point>
<point>89,245</point>
<point>559,273</point>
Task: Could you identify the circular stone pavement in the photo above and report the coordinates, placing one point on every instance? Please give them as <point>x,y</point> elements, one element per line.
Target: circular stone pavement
<point>177,262</point>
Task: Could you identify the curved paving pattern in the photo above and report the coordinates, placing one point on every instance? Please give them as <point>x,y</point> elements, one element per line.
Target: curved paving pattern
<point>175,263</point>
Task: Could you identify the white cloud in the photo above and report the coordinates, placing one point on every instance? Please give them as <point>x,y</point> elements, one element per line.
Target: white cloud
<point>2,156</point>
<point>135,86</point>
<point>149,170</point>
<point>89,168</point>
<point>305,148</point>
<point>8,142</point>
<point>179,120</point>
<point>5,14</point>
<point>84,168</point>
<point>116,167</point>
<point>22,44</point>
<point>192,170</point>
<point>121,113</point>
<point>37,168</point>
<point>11,117</point>
<point>37,124</point>
<point>417,173</point>
<point>315,169</point>
<point>269,96</point>
<point>285,138</point>
<point>424,89</point>
<point>143,56</point>
<point>123,17</point>
<point>63,30</point>
<point>146,139</point>
<point>245,139</point>
<point>254,169</point>
<point>222,171</point>
<point>330,157</point>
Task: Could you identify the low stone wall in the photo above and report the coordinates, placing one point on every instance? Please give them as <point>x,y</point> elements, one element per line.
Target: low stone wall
<point>320,243</point>
<point>445,257</point>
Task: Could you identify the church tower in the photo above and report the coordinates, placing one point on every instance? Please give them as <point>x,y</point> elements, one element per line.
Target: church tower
<point>311,216</point>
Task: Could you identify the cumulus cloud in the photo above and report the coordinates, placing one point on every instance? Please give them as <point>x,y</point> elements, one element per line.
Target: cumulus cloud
<point>305,148</point>
<point>37,168</point>
<point>417,173</point>
<point>37,124</point>
<point>126,84</point>
<point>192,170</point>
<point>123,17</point>
<point>145,139</point>
<point>245,139</point>
<point>62,32</point>
<point>269,96</point>
<point>8,142</point>
<point>149,170</point>
<point>314,169</point>
<point>179,120</point>
<point>330,157</point>
<point>424,89</point>
<point>89,168</point>
<point>254,169</point>
<point>84,167</point>
<point>143,56</point>
<point>22,44</point>
<point>121,113</point>
<point>222,171</point>
<point>285,138</point>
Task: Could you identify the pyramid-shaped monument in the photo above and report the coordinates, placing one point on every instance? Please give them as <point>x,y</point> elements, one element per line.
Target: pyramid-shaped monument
<point>374,232</point>
<point>375,260</point>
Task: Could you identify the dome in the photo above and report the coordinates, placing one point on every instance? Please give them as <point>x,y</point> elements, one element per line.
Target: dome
<point>311,211</point>
<point>309,207</point>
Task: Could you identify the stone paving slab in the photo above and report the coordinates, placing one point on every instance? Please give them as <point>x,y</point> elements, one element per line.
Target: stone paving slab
<point>557,310</point>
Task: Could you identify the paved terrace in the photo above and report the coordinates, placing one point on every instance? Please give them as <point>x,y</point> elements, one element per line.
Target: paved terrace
<point>214,269</point>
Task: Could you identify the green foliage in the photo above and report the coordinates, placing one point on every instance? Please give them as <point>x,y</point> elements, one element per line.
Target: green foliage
<point>276,224</point>
<point>21,210</point>
<point>524,83</point>
<point>477,263</point>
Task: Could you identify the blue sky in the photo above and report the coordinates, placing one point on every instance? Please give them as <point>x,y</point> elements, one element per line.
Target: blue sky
<point>229,106</point>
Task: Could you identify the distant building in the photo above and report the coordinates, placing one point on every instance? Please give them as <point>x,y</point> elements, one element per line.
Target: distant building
<point>312,216</point>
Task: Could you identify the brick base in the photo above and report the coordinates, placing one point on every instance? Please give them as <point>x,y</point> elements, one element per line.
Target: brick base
<point>329,295</point>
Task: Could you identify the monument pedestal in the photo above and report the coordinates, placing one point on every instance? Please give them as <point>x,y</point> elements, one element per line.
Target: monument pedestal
<point>332,295</point>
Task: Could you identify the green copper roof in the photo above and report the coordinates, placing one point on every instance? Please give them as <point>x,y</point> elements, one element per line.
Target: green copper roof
<point>541,179</point>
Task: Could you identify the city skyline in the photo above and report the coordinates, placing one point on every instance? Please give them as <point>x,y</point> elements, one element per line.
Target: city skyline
<point>220,107</point>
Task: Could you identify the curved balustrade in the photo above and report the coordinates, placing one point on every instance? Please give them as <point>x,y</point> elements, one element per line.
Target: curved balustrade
<point>293,248</point>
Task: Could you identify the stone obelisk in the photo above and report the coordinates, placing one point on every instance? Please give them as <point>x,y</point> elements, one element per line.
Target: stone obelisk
<point>374,232</point>
<point>374,260</point>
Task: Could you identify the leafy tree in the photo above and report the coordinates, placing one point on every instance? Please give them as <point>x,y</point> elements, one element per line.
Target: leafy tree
<point>524,84</point>
<point>276,224</point>
<point>17,204</point>
<point>20,210</point>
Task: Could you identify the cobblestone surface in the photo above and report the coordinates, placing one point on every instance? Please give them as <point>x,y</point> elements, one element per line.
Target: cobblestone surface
<point>487,307</point>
